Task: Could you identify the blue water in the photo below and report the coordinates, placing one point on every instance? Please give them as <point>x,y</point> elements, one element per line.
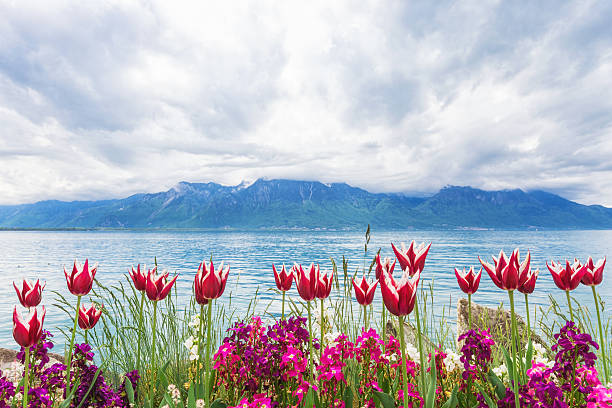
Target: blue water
<point>43,255</point>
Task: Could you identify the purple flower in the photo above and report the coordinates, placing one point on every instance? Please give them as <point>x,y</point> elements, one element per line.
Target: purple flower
<point>476,352</point>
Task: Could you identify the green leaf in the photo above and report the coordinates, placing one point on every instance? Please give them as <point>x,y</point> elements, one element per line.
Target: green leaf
<point>488,399</point>
<point>129,390</point>
<point>452,401</point>
<point>211,380</point>
<point>509,364</point>
<point>385,399</point>
<point>500,388</point>
<point>191,401</point>
<point>348,397</point>
<point>168,401</point>
<point>309,399</point>
<point>528,356</point>
<point>218,404</point>
<point>433,384</point>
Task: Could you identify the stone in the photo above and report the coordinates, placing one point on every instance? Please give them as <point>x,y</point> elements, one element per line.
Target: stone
<point>410,334</point>
<point>9,356</point>
<point>497,320</point>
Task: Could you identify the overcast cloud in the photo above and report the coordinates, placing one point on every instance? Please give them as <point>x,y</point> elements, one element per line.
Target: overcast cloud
<point>107,99</point>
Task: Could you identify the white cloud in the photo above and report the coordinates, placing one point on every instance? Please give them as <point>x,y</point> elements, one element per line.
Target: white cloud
<point>108,99</point>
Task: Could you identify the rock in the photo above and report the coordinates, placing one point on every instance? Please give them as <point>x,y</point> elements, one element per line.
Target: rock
<point>410,334</point>
<point>8,357</point>
<point>497,320</point>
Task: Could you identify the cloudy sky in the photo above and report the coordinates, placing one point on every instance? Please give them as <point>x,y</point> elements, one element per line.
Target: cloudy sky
<point>105,99</point>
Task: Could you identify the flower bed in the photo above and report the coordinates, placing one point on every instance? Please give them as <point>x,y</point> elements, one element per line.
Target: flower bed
<point>152,355</point>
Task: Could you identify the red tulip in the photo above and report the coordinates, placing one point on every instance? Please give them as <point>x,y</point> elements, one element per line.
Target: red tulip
<point>88,317</point>
<point>157,287</point>
<point>594,272</point>
<point>527,284</point>
<point>31,294</point>
<point>505,273</point>
<point>139,278</point>
<point>283,279</point>
<point>364,291</point>
<point>324,284</point>
<point>386,267</point>
<point>468,281</point>
<point>28,334</point>
<point>210,283</point>
<point>412,258</point>
<point>307,282</point>
<point>80,282</point>
<point>399,297</point>
<point>567,278</point>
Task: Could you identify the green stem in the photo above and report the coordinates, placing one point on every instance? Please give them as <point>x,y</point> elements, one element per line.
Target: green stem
<point>207,374</point>
<point>199,359</point>
<point>517,402</point>
<point>140,330</point>
<point>569,303</point>
<point>310,342</point>
<point>153,344</point>
<point>283,307</point>
<point>470,309</point>
<point>422,390</point>
<point>403,362</point>
<point>365,318</point>
<point>528,319</point>
<point>68,359</point>
<point>601,338</point>
<point>322,331</point>
<point>86,331</point>
<point>26,383</point>
<point>384,326</point>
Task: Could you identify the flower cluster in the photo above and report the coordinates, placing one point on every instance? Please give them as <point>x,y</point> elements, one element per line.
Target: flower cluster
<point>476,352</point>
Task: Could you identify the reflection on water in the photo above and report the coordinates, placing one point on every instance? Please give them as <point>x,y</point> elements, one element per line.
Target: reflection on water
<point>43,255</point>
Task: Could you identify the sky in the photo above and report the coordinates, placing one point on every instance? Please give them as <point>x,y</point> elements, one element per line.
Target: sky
<point>110,98</point>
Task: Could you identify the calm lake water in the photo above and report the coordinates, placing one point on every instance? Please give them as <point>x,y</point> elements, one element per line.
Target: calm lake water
<point>43,255</point>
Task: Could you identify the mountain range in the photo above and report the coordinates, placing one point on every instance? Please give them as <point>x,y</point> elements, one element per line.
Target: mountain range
<point>310,204</point>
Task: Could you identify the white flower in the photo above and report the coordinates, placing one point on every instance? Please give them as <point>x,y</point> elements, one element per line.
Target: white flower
<point>195,321</point>
<point>452,360</point>
<point>538,350</point>
<point>501,371</point>
<point>200,403</point>
<point>412,352</point>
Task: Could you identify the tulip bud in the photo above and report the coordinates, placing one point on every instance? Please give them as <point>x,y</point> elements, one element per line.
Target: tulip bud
<point>139,278</point>
<point>157,287</point>
<point>28,334</point>
<point>324,284</point>
<point>594,272</point>
<point>400,296</point>
<point>468,281</point>
<point>306,282</point>
<point>88,317</point>
<point>31,294</point>
<point>384,267</point>
<point>364,291</point>
<point>412,258</point>
<point>80,282</point>
<point>283,279</point>
<point>210,283</point>
<point>567,278</point>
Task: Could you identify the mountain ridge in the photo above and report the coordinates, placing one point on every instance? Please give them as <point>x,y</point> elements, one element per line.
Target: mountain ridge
<point>279,203</point>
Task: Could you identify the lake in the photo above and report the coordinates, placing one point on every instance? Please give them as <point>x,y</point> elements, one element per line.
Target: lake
<point>251,254</point>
